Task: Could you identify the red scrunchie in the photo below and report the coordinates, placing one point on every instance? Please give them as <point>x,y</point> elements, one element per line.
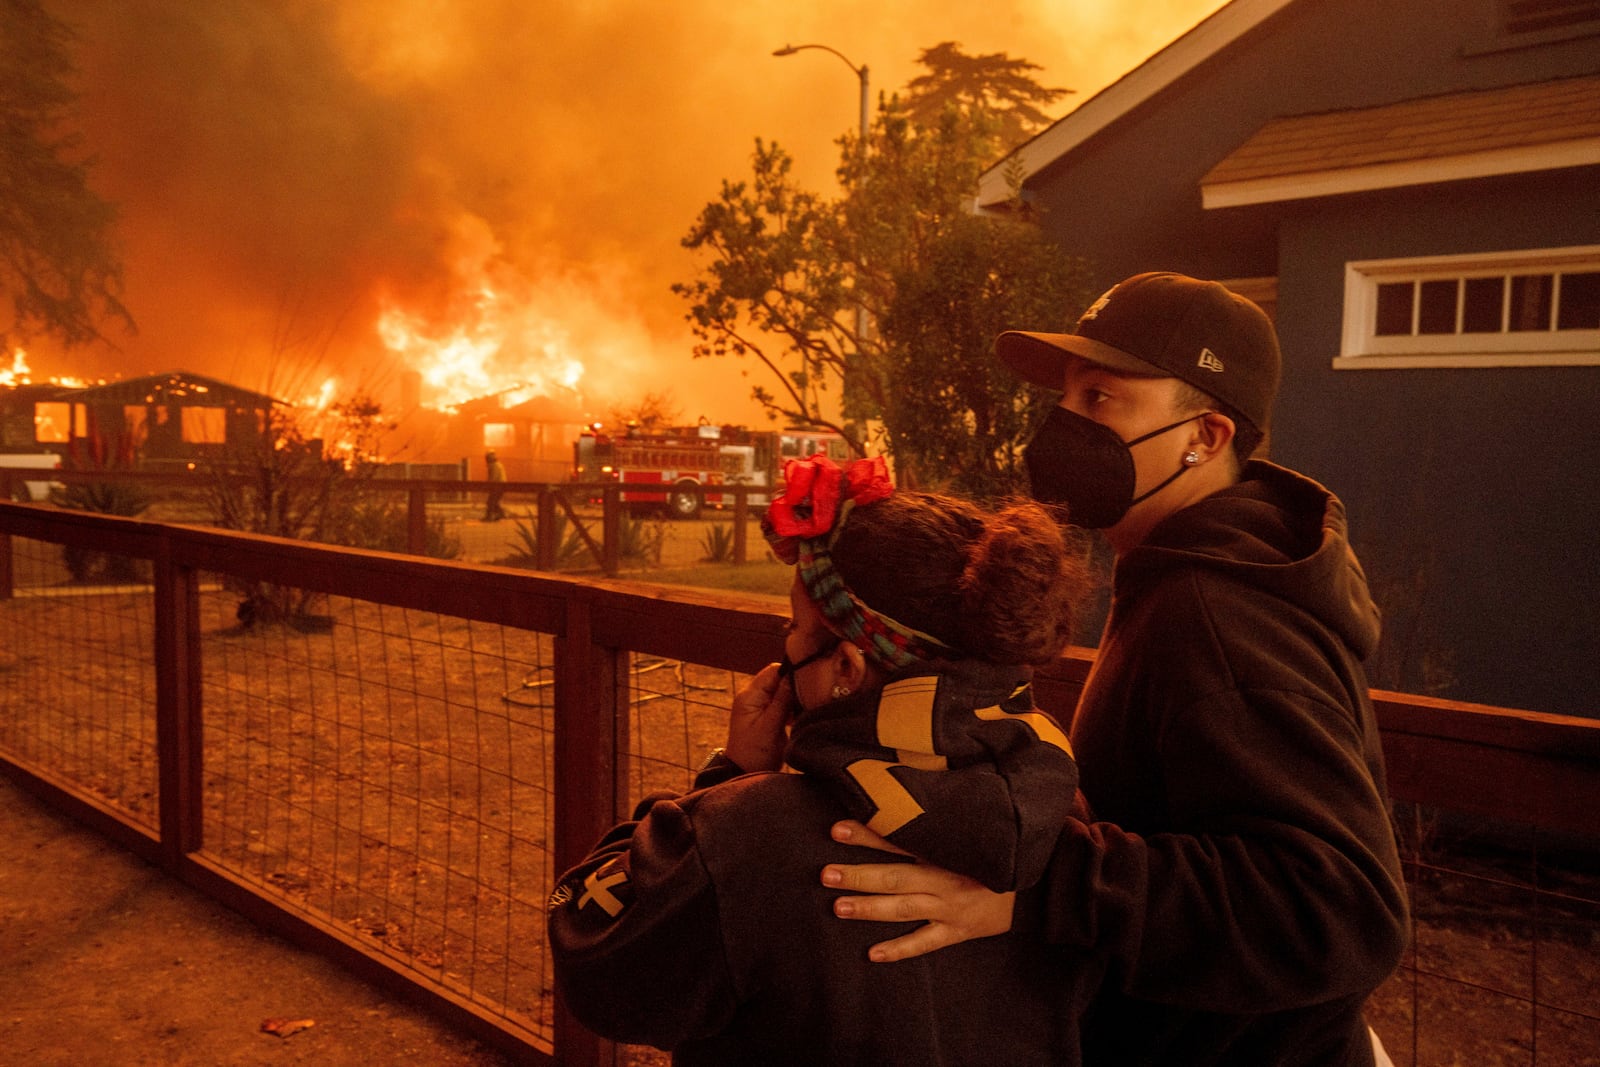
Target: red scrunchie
<point>814,488</point>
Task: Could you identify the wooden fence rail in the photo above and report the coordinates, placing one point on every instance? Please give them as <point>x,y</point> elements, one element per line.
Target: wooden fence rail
<point>1542,770</point>
<point>554,501</point>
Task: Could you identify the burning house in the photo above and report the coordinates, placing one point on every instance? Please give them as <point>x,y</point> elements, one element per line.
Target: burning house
<point>162,420</point>
<point>532,435</point>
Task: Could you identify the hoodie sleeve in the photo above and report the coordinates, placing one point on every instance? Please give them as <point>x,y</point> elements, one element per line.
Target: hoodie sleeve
<point>1281,904</point>
<point>1275,882</point>
<point>635,935</point>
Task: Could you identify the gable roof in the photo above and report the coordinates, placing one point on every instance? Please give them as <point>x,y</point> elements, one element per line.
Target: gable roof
<point>173,385</point>
<point>1513,130</point>
<point>1214,33</point>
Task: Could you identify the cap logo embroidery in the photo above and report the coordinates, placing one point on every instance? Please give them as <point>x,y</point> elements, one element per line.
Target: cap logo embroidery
<point>1098,306</point>
<point>1208,361</point>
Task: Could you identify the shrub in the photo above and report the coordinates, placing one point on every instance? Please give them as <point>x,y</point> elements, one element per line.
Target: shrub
<point>382,521</point>
<point>102,498</point>
<point>717,542</point>
<point>641,540</point>
<point>570,545</point>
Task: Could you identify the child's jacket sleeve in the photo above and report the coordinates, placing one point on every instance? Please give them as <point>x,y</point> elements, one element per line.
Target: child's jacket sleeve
<point>635,935</point>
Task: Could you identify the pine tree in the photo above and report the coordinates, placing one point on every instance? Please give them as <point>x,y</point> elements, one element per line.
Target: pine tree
<point>57,269</point>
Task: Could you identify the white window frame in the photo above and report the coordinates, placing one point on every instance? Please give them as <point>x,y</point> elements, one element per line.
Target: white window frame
<point>1360,348</point>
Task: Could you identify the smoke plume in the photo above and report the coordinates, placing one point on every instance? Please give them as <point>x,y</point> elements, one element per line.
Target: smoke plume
<point>298,179</point>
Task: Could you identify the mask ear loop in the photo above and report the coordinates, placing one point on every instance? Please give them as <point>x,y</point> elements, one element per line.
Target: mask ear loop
<point>787,668</point>
<point>1182,467</point>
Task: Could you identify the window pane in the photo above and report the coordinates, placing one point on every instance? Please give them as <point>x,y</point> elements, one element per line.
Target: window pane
<point>1438,312</point>
<point>1394,309</point>
<point>205,426</point>
<point>1530,302</point>
<point>1480,310</point>
<point>52,423</point>
<point>1580,302</point>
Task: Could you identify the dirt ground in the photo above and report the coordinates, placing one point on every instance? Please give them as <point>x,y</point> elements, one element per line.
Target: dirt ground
<point>108,961</point>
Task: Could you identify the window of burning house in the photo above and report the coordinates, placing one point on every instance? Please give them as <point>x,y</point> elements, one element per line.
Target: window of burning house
<point>205,425</point>
<point>499,434</point>
<point>135,422</point>
<point>52,423</point>
<point>15,431</point>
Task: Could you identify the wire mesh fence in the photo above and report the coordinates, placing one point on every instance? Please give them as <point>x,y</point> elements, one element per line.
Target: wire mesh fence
<point>1504,963</point>
<point>385,761</point>
<point>386,769</point>
<point>679,712</point>
<point>78,672</point>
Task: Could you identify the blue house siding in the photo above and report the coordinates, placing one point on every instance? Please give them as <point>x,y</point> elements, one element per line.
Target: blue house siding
<point>1471,491</point>
<point>1129,198</point>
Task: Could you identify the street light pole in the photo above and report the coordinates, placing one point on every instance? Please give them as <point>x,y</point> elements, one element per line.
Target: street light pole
<point>860,72</point>
<point>861,144</point>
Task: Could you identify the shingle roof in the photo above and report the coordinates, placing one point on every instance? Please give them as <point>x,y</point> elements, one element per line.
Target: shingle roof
<point>1453,125</point>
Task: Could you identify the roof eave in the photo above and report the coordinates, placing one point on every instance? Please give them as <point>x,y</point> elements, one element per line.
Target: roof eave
<point>1205,40</point>
<point>1524,159</point>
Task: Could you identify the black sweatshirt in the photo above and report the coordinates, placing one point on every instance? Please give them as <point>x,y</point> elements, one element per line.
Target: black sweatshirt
<point>703,927</point>
<point>1245,880</point>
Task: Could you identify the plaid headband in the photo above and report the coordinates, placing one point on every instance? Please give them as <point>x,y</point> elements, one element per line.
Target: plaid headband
<point>802,526</point>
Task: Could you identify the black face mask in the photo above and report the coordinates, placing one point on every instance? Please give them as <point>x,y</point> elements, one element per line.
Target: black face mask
<point>1076,461</point>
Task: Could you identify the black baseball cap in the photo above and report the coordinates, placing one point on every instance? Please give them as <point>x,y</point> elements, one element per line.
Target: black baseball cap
<point>1164,325</point>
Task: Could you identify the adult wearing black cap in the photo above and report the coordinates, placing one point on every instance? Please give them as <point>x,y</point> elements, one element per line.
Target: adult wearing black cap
<point>1243,878</point>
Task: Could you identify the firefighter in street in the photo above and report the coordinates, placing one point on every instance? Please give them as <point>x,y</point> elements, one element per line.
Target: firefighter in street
<point>492,512</point>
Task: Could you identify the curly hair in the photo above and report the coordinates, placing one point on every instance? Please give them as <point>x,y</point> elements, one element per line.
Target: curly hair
<point>1002,586</point>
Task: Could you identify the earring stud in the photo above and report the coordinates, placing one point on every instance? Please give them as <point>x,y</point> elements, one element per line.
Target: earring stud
<point>840,692</point>
<point>1191,458</point>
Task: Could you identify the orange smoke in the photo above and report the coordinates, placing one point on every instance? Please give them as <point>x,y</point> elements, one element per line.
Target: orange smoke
<point>484,193</point>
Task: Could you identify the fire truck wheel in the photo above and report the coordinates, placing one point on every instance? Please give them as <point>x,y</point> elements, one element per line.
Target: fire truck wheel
<point>684,503</point>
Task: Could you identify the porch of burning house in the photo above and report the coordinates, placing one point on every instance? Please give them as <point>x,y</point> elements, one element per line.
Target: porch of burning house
<point>397,785</point>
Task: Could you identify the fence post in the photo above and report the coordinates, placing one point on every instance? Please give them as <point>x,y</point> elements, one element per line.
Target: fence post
<point>544,532</point>
<point>417,522</point>
<point>611,530</point>
<point>741,519</point>
<point>179,753</point>
<point>591,698</point>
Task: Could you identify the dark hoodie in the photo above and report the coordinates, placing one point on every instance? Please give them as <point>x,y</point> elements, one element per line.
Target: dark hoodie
<point>1245,881</point>
<point>703,927</point>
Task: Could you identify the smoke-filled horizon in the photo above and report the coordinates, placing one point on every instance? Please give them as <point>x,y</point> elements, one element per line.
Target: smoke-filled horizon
<point>484,191</point>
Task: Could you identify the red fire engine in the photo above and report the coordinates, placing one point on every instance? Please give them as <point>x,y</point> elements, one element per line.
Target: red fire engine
<point>681,459</point>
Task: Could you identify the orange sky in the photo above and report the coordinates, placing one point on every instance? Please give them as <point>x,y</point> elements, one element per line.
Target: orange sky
<point>287,169</point>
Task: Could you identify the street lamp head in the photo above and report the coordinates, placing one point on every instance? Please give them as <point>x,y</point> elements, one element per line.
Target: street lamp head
<point>786,50</point>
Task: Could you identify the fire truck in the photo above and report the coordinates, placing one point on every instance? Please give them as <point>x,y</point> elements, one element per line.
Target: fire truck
<point>683,459</point>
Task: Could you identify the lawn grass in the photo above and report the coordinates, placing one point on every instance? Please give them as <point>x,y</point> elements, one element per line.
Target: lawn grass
<point>767,577</point>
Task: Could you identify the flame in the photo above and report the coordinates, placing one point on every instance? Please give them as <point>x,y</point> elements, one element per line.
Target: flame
<point>20,373</point>
<point>497,349</point>
<point>494,337</point>
<point>323,397</point>
<point>347,438</point>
